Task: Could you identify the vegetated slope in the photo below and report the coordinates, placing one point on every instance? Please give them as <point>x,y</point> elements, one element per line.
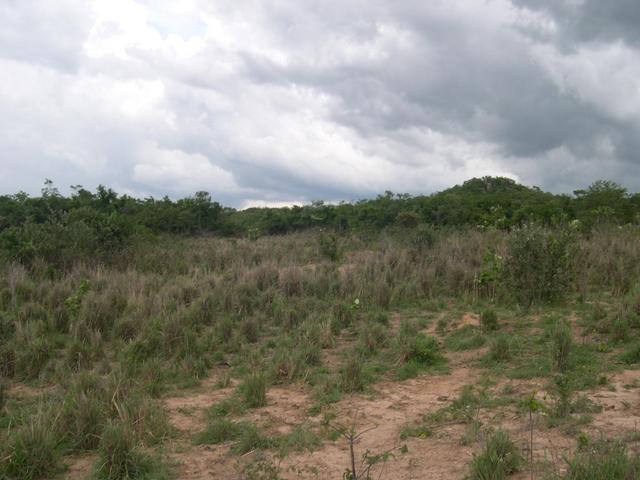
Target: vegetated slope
<point>444,351</point>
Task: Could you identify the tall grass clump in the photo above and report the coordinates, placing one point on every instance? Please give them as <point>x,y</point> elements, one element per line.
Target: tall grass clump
<point>32,452</point>
<point>488,320</point>
<point>562,342</point>
<point>499,459</point>
<point>254,390</point>
<point>352,376</point>
<point>120,457</point>
<point>602,460</point>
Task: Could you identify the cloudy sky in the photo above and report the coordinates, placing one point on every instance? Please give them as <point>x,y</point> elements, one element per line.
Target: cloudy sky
<point>287,101</point>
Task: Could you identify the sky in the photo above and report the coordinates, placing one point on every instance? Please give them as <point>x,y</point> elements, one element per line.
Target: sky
<point>287,101</point>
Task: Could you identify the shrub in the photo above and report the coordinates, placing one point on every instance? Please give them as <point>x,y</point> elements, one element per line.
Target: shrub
<point>632,355</point>
<point>540,264</point>
<point>488,320</point>
<point>254,390</point>
<point>499,458</point>
<point>424,237</point>
<point>420,348</point>
<point>328,243</point>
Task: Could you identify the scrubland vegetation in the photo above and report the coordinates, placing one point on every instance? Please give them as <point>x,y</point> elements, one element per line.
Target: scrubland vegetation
<point>138,337</point>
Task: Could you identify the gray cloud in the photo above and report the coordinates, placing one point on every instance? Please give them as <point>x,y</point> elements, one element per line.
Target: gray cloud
<point>289,102</point>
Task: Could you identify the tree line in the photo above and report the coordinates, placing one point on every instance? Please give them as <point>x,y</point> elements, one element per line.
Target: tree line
<point>59,228</point>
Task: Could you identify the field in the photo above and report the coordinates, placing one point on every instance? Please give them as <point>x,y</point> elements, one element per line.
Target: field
<point>407,354</point>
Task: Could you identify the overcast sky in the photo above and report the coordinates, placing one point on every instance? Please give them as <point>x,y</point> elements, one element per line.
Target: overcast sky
<point>287,101</point>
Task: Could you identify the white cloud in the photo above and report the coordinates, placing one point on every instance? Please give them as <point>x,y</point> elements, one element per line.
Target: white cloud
<point>284,102</point>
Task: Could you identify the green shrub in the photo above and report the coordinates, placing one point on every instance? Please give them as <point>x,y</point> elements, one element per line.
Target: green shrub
<point>329,248</point>
<point>540,264</point>
<point>488,320</point>
<point>499,458</point>
<point>421,349</point>
<point>632,355</point>
<point>254,390</point>
<point>424,237</point>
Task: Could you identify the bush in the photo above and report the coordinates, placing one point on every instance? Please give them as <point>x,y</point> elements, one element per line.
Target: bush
<point>499,458</point>
<point>419,348</point>
<point>540,264</point>
<point>329,248</point>
<point>488,320</point>
<point>424,237</point>
<point>632,355</point>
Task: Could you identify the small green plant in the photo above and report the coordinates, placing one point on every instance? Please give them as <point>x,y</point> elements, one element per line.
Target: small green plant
<point>532,406</point>
<point>563,391</point>
<point>499,458</point>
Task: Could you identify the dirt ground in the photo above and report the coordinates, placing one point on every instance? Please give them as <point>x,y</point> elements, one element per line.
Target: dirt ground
<point>381,415</point>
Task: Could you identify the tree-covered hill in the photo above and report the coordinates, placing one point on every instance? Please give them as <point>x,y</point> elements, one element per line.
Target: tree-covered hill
<point>60,228</point>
